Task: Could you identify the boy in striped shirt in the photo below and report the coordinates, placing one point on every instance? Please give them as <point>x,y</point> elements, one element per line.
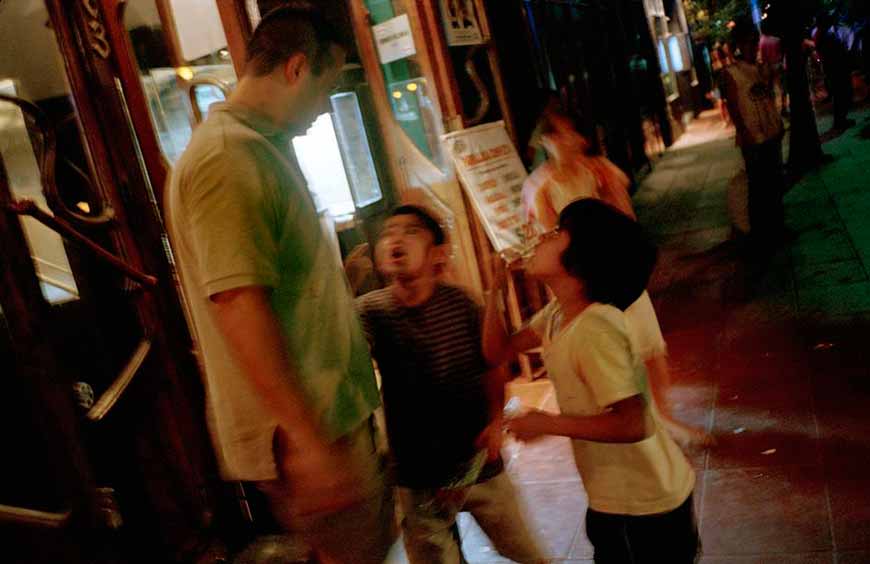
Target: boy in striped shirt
<point>442,402</point>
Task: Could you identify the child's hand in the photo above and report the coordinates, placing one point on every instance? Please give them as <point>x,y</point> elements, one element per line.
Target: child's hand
<point>491,439</point>
<point>531,426</point>
<point>358,265</point>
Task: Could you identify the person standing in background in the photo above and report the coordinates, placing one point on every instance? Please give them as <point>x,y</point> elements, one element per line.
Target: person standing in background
<point>751,99</point>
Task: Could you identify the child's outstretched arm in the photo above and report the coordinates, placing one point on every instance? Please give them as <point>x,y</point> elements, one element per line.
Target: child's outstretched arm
<point>498,346</point>
<point>626,421</point>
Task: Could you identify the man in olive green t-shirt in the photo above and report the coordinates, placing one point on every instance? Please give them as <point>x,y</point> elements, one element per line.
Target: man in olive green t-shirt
<point>289,380</point>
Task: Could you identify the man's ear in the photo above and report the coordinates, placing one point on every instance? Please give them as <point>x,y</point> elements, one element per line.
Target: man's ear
<point>295,68</point>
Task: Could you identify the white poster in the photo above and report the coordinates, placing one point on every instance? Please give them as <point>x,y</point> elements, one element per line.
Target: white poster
<point>199,28</point>
<point>394,39</point>
<point>493,174</point>
<point>461,24</point>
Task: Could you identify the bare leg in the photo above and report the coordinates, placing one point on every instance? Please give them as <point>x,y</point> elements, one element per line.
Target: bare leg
<point>660,383</point>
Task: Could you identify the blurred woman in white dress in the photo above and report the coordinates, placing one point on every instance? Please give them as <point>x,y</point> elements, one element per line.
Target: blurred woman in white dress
<point>570,173</point>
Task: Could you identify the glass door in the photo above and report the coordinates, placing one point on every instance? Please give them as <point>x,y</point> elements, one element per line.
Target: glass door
<point>184,64</point>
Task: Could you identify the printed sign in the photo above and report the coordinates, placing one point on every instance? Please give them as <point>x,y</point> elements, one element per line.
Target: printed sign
<point>460,22</point>
<point>493,174</point>
<point>394,39</point>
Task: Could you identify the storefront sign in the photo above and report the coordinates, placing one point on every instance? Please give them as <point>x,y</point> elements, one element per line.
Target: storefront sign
<point>394,39</point>
<point>492,174</point>
<point>460,22</point>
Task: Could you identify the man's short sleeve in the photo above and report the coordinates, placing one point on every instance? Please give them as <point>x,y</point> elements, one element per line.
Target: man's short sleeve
<point>227,217</point>
<point>603,356</point>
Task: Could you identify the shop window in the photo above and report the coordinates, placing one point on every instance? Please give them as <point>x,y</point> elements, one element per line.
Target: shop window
<point>676,53</point>
<point>184,64</point>
<point>355,149</point>
<point>46,247</point>
<point>663,58</point>
<point>413,107</point>
<point>319,157</point>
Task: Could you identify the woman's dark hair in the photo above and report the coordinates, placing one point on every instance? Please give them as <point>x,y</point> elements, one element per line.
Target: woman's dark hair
<point>290,29</point>
<point>609,252</point>
<point>428,221</point>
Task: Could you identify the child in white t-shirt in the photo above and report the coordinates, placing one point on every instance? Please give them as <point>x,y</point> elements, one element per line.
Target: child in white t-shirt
<point>638,481</point>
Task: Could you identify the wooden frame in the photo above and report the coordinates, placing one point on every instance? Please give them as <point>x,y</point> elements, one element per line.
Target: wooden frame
<point>237,29</point>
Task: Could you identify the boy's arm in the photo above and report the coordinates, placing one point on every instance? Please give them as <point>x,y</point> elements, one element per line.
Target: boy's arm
<point>626,421</point>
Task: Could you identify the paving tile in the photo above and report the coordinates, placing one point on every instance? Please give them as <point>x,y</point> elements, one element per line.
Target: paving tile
<point>755,431</point>
<point>765,511</point>
<point>849,557</point>
<point>850,511</point>
<point>839,300</point>
<point>557,512</point>
<point>831,274</point>
<point>836,247</point>
<point>550,459</point>
<point>810,215</point>
<point>809,558</point>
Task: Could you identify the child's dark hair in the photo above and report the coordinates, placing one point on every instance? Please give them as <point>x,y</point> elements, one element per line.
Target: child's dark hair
<point>609,252</point>
<point>428,221</point>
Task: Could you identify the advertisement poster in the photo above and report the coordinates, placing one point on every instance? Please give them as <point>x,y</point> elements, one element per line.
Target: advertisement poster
<point>460,22</point>
<point>493,174</point>
<point>394,39</point>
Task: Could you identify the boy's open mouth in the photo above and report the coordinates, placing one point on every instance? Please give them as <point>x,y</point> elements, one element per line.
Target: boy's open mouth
<point>397,253</point>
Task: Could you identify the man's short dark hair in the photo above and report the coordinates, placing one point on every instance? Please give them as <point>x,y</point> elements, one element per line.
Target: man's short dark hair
<point>609,252</point>
<point>428,221</point>
<point>288,30</point>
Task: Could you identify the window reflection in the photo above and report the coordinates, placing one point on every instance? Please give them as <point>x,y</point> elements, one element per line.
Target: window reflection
<point>25,181</point>
<point>414,110</point>
<point>174,57</point>
<point>319,158</point>
<point>355,149</point>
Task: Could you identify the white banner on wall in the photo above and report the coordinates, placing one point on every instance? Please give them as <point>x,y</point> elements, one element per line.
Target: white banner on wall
<point>461,25</point>
<point>492,174</point>
<point>394,39</point>
<point>199,28</point>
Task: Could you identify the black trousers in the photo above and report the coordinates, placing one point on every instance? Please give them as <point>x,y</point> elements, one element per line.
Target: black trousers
<point>670,537</point>
<point>842,93</point>
<point>766,189</point>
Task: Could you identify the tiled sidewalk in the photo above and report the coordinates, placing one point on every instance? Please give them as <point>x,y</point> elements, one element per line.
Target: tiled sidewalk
<point>776,365</point>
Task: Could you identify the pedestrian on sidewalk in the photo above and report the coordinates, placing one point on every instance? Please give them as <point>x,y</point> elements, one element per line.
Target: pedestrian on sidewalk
<point>772,55</point>
<point>443,400</point>
<point>571,174</point>
<point>751,102</point>
<point>720,59</point>
<point>597,262</point>
<point>837,67</point>
<point>289,380</point>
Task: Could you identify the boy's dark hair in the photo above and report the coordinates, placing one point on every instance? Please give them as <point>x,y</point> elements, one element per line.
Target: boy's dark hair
<point>291,29</point>
<point>425,218</point>
<point>609,252</point>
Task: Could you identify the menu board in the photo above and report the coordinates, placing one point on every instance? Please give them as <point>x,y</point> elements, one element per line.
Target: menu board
<point>394,39</point>
<point>492,174</point>
<point>461,24</point>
